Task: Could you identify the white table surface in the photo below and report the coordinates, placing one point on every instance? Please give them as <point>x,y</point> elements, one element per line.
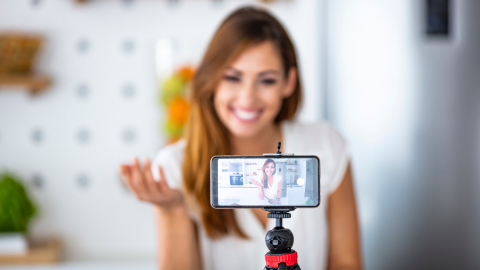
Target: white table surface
<point>118,265</point>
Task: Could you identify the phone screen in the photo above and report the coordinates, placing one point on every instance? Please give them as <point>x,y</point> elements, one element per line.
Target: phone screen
<point>259,181</point>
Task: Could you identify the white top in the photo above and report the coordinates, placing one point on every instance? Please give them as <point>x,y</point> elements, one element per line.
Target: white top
<point>309,225</point>
<point>271,191</point>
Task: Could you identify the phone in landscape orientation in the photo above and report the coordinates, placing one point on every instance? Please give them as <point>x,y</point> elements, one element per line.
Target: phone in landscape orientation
<point>264,181</point>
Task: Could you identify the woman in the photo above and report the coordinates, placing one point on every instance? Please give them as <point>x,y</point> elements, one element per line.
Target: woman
<point>270,188</point>
<point>245,90</point>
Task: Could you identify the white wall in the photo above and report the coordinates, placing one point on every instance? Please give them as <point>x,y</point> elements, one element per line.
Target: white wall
<point>102,220</point>
<point>409,107</point>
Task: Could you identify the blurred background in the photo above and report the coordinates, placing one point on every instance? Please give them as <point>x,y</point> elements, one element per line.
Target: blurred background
<point>400,79</point>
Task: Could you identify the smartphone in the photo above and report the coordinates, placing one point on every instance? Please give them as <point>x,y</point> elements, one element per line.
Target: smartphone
<point>264,181</point>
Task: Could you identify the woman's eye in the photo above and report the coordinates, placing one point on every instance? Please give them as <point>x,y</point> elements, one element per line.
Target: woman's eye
<point>268,81</point>
<point>231,78</point>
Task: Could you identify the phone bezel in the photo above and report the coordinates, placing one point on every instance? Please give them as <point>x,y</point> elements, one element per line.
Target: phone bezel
<point>214,182</point>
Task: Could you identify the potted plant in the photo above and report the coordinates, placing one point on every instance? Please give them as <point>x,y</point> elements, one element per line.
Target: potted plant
<point>16,211</point>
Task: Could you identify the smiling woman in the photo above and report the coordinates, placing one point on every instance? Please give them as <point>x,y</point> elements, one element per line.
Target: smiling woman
<point>244,91</point>
<point>259,71</point>
<point>244,87</point>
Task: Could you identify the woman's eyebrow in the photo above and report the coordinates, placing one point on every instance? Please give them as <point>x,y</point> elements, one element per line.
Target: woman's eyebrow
<point>231,69</point>
<point>271,71</point>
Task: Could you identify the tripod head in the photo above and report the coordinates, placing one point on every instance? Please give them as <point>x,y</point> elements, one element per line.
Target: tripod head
<point>279,240</point>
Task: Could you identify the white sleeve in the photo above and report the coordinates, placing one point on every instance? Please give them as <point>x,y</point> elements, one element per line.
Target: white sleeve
<point>170,159</point>
<point>340,158</point>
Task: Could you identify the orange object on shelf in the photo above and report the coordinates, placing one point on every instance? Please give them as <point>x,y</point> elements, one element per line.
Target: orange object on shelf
<point>178,110</point>
<point>173,96</point>
<point>186,73</point>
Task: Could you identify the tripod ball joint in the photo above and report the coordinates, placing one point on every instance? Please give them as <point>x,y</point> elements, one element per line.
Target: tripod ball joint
<point>279,239</point>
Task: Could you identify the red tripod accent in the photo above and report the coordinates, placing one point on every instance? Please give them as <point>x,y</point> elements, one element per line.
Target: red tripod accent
<point>288,259</point>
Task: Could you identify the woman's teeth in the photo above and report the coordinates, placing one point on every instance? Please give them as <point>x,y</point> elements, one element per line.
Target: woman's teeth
<point>246,115</point>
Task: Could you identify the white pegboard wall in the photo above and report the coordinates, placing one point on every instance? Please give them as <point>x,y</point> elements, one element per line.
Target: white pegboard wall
<point>253,169</point>
<point>102,110</point>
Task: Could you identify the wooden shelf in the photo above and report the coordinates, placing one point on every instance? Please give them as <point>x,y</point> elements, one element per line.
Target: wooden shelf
<point>43,251</point>
<point>33,83</point>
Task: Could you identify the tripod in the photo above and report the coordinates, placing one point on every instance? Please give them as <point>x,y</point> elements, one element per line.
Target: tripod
<point>279,241</point>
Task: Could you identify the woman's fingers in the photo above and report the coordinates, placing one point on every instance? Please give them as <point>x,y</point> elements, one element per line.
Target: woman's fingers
<point>162,182</point>
<point>126,172</point>
<point>138,179</point>
<point>151,184</point>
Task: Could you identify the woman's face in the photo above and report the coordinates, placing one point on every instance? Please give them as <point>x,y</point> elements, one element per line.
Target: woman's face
<point>270,168</point>
<point>250,94</point>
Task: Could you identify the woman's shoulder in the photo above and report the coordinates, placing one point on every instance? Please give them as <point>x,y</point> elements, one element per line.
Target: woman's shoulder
<point>323,140</point>
<point>171,150</point>
<point>170,158</point>
<point>301,135</point>
<point>321,126</point>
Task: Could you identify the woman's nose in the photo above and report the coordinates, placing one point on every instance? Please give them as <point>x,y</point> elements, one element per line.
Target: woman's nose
<point>248,94</point>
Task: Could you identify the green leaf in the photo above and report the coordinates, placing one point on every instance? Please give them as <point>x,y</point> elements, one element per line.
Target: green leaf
<point>16,208</point>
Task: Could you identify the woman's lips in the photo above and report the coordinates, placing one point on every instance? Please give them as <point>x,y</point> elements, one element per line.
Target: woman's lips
<point>246,115</point>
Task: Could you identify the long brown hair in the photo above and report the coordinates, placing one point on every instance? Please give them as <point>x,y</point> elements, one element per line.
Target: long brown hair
<point>206,135</point>
<point>264,176</point>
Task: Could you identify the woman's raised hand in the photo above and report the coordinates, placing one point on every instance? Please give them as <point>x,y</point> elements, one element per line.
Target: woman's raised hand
<point>255,182</point>
<point>146,189</point>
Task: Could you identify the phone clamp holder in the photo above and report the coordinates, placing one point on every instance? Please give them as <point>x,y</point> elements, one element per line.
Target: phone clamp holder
<point>279,240</point>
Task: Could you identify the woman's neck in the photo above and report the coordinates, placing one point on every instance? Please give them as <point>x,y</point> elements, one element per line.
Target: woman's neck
<point>264,142</point>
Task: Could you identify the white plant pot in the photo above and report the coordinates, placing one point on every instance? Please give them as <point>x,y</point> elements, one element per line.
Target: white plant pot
<point>13,244</point>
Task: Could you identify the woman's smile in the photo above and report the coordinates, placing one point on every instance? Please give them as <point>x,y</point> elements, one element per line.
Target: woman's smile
<point>269,170</point>
<point>245,115</point>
